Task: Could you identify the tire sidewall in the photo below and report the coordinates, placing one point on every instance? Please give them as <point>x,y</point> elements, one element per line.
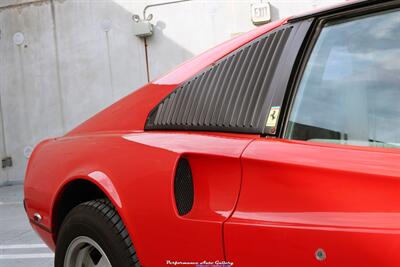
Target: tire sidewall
<point>84,221</point>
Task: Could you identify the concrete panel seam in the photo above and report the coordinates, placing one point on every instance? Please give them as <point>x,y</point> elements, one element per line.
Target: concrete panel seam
<point>59,86</point>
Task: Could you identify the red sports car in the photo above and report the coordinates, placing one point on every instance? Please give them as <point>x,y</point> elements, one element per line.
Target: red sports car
<point>277,148</point>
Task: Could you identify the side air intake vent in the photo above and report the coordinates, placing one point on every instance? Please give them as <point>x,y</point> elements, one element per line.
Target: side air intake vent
<point>228,96</point>
<point>183,187</point>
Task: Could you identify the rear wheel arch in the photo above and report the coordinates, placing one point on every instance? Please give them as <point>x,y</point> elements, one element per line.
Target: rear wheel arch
<point>74,193</point>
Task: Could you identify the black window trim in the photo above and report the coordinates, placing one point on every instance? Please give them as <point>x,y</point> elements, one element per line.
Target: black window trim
<point>343,6</point>
<point>309,43</point>
<point>282,82</point>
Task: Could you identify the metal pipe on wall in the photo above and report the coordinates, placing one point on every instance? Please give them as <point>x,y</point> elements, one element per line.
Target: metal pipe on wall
<point>145,39</point>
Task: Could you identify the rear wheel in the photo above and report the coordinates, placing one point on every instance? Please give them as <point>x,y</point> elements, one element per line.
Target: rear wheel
<point>93,235</point>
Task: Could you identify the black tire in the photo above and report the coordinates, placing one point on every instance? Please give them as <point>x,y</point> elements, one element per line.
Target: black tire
<point>98,220</point>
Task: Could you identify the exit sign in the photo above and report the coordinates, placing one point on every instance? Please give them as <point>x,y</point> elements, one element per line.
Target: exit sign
<point>261,13</point>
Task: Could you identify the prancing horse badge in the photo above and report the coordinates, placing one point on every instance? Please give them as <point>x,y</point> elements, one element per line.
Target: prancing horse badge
<point>273,116</point>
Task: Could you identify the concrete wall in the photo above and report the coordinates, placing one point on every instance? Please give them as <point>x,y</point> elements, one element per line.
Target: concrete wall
<point>79,56</point>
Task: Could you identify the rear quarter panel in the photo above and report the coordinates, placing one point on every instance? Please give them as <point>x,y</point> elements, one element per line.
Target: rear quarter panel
<point>136,171</point>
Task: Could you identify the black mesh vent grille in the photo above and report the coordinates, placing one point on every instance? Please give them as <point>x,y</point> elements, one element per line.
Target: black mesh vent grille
<point>228,96</point>
<point>183,187</point>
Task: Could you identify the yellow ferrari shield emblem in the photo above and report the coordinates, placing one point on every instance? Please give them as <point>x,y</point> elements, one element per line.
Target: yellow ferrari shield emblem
<point>273,116</point>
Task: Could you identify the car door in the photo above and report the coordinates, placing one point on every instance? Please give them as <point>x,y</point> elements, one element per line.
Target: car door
<point>327,192</point>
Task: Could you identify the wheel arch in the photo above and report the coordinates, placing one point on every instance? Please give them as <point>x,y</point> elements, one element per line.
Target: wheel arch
<point>80,189</point>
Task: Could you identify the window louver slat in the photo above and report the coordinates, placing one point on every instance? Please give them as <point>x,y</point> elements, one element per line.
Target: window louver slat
<point>227,96</point>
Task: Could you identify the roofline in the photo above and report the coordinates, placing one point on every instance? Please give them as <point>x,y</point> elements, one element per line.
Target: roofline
<point>336,8</point>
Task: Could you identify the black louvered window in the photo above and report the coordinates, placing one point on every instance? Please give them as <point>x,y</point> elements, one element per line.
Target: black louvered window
<point>227,96</point>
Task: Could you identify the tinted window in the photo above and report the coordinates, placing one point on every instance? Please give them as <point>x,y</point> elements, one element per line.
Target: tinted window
<point>350,89</point>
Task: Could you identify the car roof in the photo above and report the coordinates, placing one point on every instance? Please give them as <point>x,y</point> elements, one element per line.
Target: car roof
<point>347,5</point>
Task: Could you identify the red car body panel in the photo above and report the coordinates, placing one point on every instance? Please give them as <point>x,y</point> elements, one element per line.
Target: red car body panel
<point>141,167</point>
<point>258,198</point>
<point>339,198</point>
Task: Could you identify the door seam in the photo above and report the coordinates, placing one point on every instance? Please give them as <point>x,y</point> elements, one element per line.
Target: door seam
<point>237,198</point>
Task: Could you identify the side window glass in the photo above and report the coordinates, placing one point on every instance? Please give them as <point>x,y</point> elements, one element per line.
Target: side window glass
<point>350,89</point>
